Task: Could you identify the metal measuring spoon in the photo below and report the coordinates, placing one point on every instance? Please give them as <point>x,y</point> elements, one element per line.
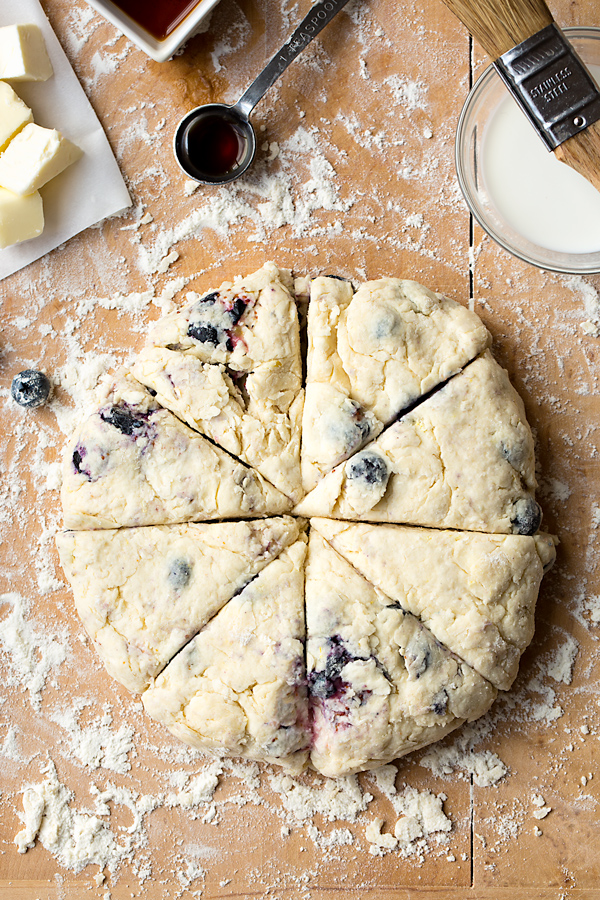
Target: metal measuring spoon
<point>215,143</point>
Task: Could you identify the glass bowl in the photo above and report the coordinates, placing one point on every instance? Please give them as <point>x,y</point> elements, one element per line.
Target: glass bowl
<point>491,211</point>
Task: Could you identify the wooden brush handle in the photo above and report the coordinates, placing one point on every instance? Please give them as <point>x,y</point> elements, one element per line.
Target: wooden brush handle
<point>499,25</point>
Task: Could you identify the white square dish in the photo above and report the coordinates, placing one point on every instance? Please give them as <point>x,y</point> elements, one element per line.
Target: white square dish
<point>157,50</point>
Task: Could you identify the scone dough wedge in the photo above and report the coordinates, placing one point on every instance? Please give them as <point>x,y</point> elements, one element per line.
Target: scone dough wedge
<point>371,354</point>
<point>475,592</point>
<point>143,593</point>
<point>380,684</point>
<point>463,458</point>
<point>239,687</point>
<point>133,463</point>
<point>229,365</point>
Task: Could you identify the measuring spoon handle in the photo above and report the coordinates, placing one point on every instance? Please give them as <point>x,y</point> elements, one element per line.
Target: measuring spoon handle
<point>320,15</point>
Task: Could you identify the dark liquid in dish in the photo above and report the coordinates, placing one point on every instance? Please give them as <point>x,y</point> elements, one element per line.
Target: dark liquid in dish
<point>158,17</point>
<point>213,145</point>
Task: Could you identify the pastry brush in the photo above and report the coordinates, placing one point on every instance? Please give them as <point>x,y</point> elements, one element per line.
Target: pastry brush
<point>544,74</point>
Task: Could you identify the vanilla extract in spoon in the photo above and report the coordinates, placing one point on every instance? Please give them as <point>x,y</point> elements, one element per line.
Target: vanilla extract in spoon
<point>215,143</point>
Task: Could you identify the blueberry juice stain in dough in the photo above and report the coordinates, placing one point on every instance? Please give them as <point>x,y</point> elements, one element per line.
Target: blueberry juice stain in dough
<point>213,145</point>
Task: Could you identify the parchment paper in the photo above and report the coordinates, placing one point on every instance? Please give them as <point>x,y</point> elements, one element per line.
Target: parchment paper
<point>92,188</point>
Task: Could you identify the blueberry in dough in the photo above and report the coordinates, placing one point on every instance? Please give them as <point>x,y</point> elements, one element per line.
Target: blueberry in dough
<point>82,465</point>
<point>361,424</point>
<point>384,324</point>
<point>208,299</point>
<point>320,686</point>
<point>514,454</point>
<point>78,455</point>
<point>325,684</point>
<point>206,334</point>
<point>440,703</point>
<point>179,575</point>
<point>237,310</point>
<point>328,683</point>
<point>348,428</point>
<point>337,658</point>
<point>214,319</point>
<point>417,657</point>
<point>527,518</point>
<point>130,423</point>
<point>30,388</point>
<point>369,468</point>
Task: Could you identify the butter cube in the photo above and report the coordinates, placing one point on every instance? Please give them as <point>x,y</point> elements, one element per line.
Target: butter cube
<point>14,114</point>
<point>23,54</point>
<point>33,157</point>
<point>21,218</point>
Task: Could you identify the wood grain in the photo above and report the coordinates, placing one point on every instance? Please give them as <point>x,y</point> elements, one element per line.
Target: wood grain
<point>385,126</point>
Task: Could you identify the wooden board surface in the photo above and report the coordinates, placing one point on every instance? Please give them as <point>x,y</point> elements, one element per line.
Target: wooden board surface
<point>355,177</point>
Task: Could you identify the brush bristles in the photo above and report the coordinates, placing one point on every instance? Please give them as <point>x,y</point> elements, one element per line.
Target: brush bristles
<point>499,25</point>
<point>582,153</point>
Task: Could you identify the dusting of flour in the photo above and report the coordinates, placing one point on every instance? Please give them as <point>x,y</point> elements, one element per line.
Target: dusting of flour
<point>86,776</point>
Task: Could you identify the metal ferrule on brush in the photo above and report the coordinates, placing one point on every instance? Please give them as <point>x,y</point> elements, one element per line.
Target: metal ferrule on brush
<point>551,85</point>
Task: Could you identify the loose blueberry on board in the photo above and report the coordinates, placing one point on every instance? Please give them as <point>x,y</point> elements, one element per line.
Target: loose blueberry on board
<point>30,388</point>
<point>369,468</point>
<point>527,518</point>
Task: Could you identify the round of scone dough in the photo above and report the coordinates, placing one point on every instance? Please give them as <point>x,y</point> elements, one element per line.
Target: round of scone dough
<point>408,606</point>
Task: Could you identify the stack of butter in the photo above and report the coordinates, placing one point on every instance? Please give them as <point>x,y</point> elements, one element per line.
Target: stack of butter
<point>29,154</point>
